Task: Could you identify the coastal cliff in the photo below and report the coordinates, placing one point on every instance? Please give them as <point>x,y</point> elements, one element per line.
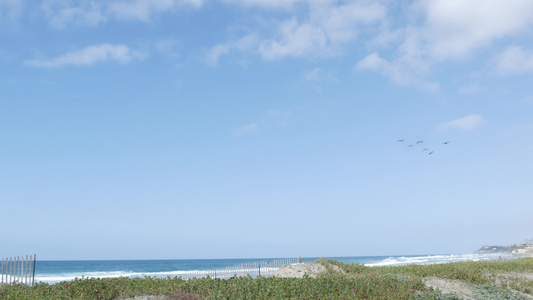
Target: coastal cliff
<point>525,248</point>
<point>492,249</point>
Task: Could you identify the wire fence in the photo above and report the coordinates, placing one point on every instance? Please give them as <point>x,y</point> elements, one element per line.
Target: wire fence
<point>21,270</point>
<point>253,269</point>
<point>18,270</point>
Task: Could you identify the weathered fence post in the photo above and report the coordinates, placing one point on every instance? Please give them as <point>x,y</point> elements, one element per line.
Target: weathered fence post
<point>19,270</point>
<point>26,270</point>
<point>33,276</point>
<point>252,268</point>
<point>12,269</point>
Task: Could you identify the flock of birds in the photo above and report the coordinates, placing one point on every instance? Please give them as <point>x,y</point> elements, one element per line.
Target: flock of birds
<point>429,151</point>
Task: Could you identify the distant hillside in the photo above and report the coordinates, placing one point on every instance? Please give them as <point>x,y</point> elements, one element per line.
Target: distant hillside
<point>493,249</point>
<point>524,248</point>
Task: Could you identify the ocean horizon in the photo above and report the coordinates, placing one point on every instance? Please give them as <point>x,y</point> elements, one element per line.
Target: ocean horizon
<point>54,271</point>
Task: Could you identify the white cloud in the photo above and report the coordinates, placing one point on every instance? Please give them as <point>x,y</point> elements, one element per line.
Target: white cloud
<point>167,47</point>
<point>143,10</point>
<point>322,34</point>
<point>245,129</point>
<point>316,74</point>
<point>296,40</point>
<point>528,100</point>
<point>276,118</point>
<point>217,51</point>
<point>469,122</point>
<point>60,13</point>
<point>10,9</point>
<point>373,62</point>
<point>246,43</point>
<point>473,88</point>
<point>386,37</point>
<point>455,28</point>
<point>449,30</point>
<point>400,71</point>
<point>521,129</point>
<point>272,118</point>
<point>514,60</point>
<point>89,56</point>
<point>272,4</point>
<point>322,31</point>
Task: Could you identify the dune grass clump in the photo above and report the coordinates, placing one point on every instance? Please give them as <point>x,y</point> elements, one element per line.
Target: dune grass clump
<point>435,296</point>
<point>491,293</point>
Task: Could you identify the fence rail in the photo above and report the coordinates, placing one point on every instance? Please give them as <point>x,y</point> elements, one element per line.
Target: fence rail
<point>18,270</point>
<point>254,269</point>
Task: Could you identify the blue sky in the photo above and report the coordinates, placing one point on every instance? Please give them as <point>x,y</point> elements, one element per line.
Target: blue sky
<point>152,129</point>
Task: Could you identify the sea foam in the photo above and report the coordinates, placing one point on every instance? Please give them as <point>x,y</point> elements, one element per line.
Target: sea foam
<point>436,259</point>
<point>53,272</point>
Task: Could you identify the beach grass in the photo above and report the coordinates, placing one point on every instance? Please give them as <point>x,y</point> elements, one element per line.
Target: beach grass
<point>323,287</point>
<point>341,281</point>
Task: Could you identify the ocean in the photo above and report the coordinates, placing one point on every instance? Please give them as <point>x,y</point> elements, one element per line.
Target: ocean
<point>56,271</point>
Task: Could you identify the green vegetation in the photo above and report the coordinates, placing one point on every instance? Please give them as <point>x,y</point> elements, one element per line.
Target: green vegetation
<point>324,287</point>
<point>341,281</point>
<point>491,293</point>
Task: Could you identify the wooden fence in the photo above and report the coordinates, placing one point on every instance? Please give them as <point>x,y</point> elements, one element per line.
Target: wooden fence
<point>18,270</point>
<point>254,269</point>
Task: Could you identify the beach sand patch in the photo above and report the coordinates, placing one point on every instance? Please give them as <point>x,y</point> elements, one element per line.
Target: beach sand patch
<point>300,270</point>
<point>173,296</point>
<point>465,290</point>
<point>459,288</point>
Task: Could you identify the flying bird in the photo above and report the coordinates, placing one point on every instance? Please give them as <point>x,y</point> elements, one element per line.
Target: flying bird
<point>399,141</point>
<point>425,149</point>
<point>446,143</point>
<point>419,142</point>
<point>410,146</point>
<point>430,153</point>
